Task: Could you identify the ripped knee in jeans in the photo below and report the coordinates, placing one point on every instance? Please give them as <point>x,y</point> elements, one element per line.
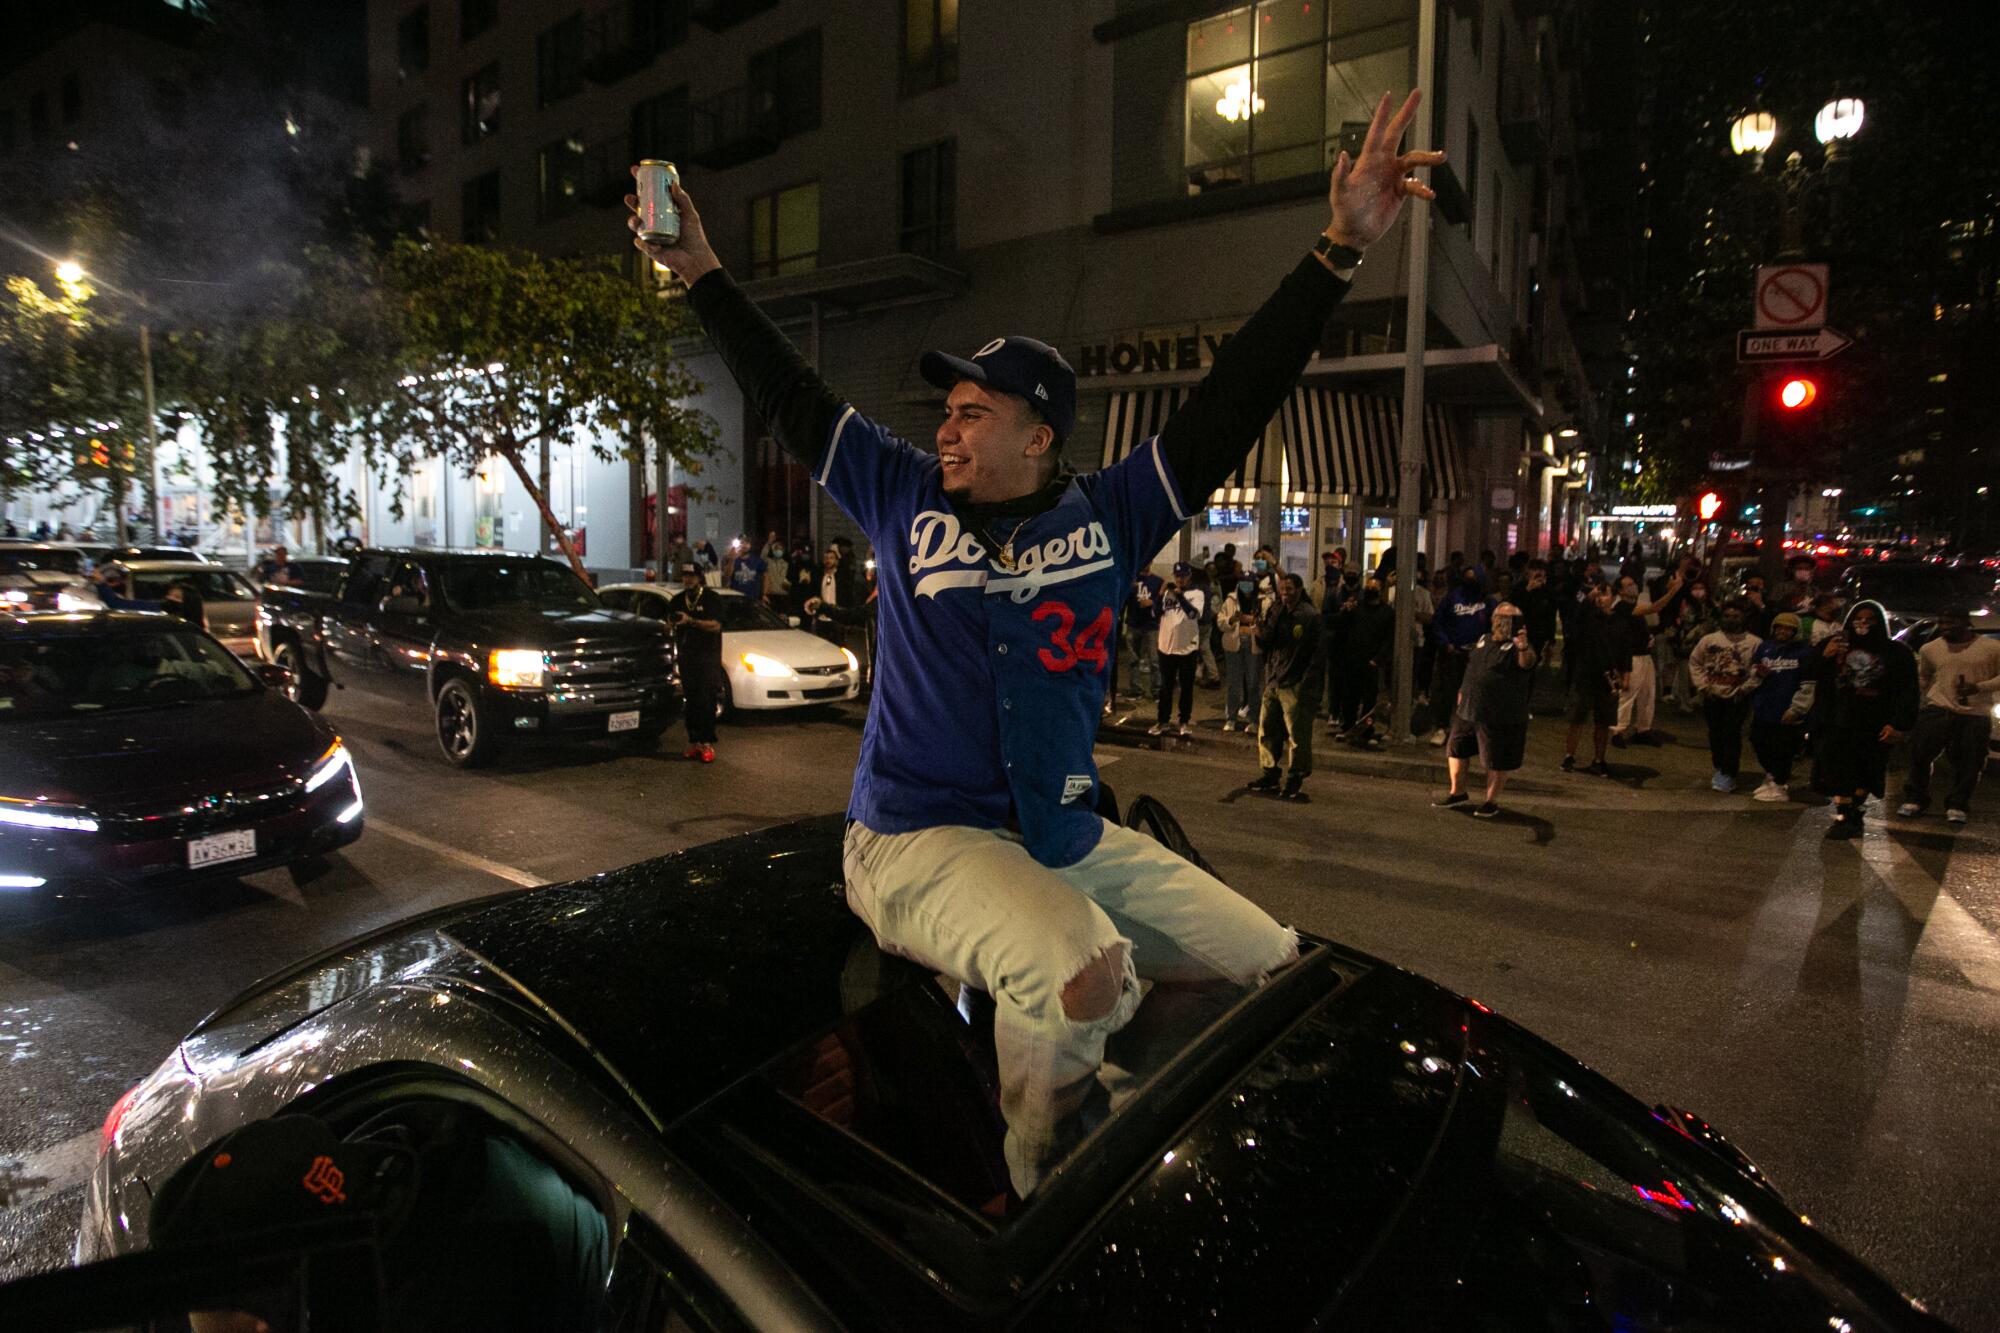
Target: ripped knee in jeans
<point>1093,993</point>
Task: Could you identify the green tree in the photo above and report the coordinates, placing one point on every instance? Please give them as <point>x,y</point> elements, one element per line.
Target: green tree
<point>503,354</point>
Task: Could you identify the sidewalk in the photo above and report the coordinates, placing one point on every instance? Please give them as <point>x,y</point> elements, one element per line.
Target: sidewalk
<point>1679,764</point>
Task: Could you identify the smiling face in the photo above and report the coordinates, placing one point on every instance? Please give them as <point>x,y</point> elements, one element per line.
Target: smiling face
<point>992,445</point>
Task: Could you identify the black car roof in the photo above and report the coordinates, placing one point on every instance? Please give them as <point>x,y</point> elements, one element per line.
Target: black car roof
<point>454,552</point>
<point>686,972</point>
<point>42,624</point>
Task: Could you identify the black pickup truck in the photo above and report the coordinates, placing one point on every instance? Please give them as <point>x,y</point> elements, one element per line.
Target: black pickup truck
<point>498,646</point>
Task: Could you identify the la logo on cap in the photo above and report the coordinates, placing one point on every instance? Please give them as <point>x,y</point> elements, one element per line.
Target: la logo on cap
<point>1041,393</point>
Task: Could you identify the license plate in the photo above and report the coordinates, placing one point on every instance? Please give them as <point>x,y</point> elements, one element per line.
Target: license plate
<point>625,721</point>
<point>219,847</point>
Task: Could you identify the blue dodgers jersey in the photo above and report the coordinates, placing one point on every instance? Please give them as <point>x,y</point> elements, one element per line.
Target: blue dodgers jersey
<point>989,681</point>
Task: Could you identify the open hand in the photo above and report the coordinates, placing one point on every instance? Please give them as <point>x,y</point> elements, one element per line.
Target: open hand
<point>1368,192</point>
<point>691,256</point>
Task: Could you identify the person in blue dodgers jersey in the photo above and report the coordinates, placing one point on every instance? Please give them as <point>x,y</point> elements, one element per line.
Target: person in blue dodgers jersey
<point>974,844</point>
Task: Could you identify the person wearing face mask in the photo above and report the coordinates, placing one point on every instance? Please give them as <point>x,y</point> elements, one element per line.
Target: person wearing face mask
<point>1775,725</point>
<point>1865,701</point>
<point>1365,655</point>
<point>1720,666</point>
<point>1797,596</point>
<point>1490,716</point>
<point>1695,621</point>
<point>1242,660</point>
<point>1462,617</point>
<point>1959,672</point>
<point>1289,636</point>
<point>1265,566</point>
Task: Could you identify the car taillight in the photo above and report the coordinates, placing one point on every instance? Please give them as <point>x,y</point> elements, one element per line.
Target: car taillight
<point>109,1134</point>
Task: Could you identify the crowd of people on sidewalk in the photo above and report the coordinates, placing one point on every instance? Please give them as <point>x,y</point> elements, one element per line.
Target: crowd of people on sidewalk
<point>1818,690</point>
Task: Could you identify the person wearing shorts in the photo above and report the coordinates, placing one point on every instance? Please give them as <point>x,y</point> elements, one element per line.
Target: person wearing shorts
<point>1491,716</point>
<point>974,845</point>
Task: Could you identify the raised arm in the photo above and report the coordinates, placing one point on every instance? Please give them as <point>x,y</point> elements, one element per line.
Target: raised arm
<point>787,393</point>
<point>1208,437</point>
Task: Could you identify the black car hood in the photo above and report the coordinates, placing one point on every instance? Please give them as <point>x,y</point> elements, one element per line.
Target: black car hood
<point>122,757</point>
<point>525,627</point>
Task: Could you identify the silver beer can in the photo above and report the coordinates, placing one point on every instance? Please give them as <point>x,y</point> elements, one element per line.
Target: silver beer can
<point>659,220</point>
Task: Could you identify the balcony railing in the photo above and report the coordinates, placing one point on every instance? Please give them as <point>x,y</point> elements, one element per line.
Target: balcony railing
<point>731,128</point>
<point>1525,104</point>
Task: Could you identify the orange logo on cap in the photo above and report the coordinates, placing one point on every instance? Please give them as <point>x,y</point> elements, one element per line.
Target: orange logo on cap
<point>325,1179</point>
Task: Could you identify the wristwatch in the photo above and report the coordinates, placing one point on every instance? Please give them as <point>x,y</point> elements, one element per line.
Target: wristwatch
<point>1336,254</point>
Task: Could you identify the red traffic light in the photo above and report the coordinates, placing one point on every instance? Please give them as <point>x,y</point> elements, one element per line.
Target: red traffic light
<point>1708,506</point>
<point>1797,393</point>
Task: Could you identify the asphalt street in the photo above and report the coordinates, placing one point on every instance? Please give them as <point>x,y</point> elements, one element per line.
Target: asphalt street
<point>1833,1007</point>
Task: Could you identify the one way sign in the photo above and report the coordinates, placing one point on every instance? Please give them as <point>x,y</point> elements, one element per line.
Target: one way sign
<point>1798,345</point>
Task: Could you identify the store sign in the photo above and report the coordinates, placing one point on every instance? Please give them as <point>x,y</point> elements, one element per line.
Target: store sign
<point>1645,511</point>
<point>1289,520</point>
<point>1150,351</point>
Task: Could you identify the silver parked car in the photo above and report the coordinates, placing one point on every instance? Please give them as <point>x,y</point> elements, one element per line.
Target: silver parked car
<point>228,599</point>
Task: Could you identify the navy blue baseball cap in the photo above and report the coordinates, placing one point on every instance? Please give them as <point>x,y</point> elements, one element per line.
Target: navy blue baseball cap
<point>1023,367</point>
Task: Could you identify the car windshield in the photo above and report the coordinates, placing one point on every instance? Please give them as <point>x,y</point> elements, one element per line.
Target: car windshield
<point>214,585</point>
<point>13,559</point>
<point>539,585</point>
<point>740,615</point>
<point>1923,588</point>
<point>59,675</point>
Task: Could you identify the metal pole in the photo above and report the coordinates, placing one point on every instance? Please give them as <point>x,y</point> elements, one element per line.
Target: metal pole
<point>812,358</point>
<point>152,431</point>
<point>1410,458</point>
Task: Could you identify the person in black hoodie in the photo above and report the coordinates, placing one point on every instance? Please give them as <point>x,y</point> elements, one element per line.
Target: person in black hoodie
<point>1864,700</point>
<point>1289,637</point>
<point>1364,651</point>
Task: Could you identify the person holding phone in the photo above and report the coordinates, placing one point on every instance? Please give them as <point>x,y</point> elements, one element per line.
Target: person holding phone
<point>1490,717</point>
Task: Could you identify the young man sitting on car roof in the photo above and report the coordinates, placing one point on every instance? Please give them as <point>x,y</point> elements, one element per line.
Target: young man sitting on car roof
<point>974,844</point>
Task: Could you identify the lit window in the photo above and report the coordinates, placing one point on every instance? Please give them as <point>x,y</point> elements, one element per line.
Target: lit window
<point>784,231</point>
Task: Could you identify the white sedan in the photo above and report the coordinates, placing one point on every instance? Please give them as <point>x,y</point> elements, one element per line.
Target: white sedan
<point>769,661</point>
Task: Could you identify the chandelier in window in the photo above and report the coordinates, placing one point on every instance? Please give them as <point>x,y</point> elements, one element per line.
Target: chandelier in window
<point>1236,103</point>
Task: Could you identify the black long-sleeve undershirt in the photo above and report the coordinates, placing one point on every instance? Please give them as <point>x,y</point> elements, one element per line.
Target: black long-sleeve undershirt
<point>1204,441</point>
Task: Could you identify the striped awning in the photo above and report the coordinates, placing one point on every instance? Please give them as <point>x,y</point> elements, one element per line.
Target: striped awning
<point>1347,443</point>
<point>1133,416</point>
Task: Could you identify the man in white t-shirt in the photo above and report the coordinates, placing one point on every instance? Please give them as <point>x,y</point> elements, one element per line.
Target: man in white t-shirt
<point>1959,673</point>
<point>1180,647</point>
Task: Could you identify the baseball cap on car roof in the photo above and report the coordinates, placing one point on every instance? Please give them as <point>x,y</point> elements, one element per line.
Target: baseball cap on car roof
<point>1021,366</point>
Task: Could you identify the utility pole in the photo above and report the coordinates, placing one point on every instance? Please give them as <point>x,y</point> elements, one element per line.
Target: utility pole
<point>1410,458</point>
<point>152,437</point>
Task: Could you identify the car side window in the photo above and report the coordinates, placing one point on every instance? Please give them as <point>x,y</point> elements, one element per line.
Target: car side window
<point>368,582</point>
<point>617,599</point>
<point>653,607</point>
<point>407,580</point>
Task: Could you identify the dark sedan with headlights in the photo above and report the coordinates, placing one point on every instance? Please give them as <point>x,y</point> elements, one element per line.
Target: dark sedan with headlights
<point>135,749</point>
<point>693,1094</point>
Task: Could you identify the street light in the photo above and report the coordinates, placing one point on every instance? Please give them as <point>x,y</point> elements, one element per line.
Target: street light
<point>72,274</point>
<point>1753,133</point>
<point>1838,120</point>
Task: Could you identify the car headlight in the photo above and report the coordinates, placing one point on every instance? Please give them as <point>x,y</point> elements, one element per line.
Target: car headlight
<point>41,815</point>
<point>516,668</point>
<point>759,665</point>
<point>853,662</point>
<point>329,766</point>
<point>69,601</point>
<point>14,597</point>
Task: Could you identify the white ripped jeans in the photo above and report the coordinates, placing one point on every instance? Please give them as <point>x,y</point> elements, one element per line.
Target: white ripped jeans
<point>972,904</point>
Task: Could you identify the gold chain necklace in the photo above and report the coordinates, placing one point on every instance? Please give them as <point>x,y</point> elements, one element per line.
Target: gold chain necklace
<point>1007,548</point>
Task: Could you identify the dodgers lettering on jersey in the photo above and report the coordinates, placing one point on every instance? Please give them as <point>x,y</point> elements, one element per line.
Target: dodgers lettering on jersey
<point>989,681</point>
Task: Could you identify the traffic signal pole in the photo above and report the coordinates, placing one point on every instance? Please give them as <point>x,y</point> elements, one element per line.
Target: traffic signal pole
<point>1410,459</point>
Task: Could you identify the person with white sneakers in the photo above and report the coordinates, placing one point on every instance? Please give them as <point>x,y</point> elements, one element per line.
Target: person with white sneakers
<point>1179,644</point>
<point>1959,672</point>
<point>1776,723</point>
<point>1720,665</point>
<point>1243,661</point>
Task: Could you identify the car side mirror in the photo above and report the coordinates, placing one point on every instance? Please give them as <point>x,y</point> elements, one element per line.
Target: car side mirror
<point>273,675</point>
<point>404,605</point>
